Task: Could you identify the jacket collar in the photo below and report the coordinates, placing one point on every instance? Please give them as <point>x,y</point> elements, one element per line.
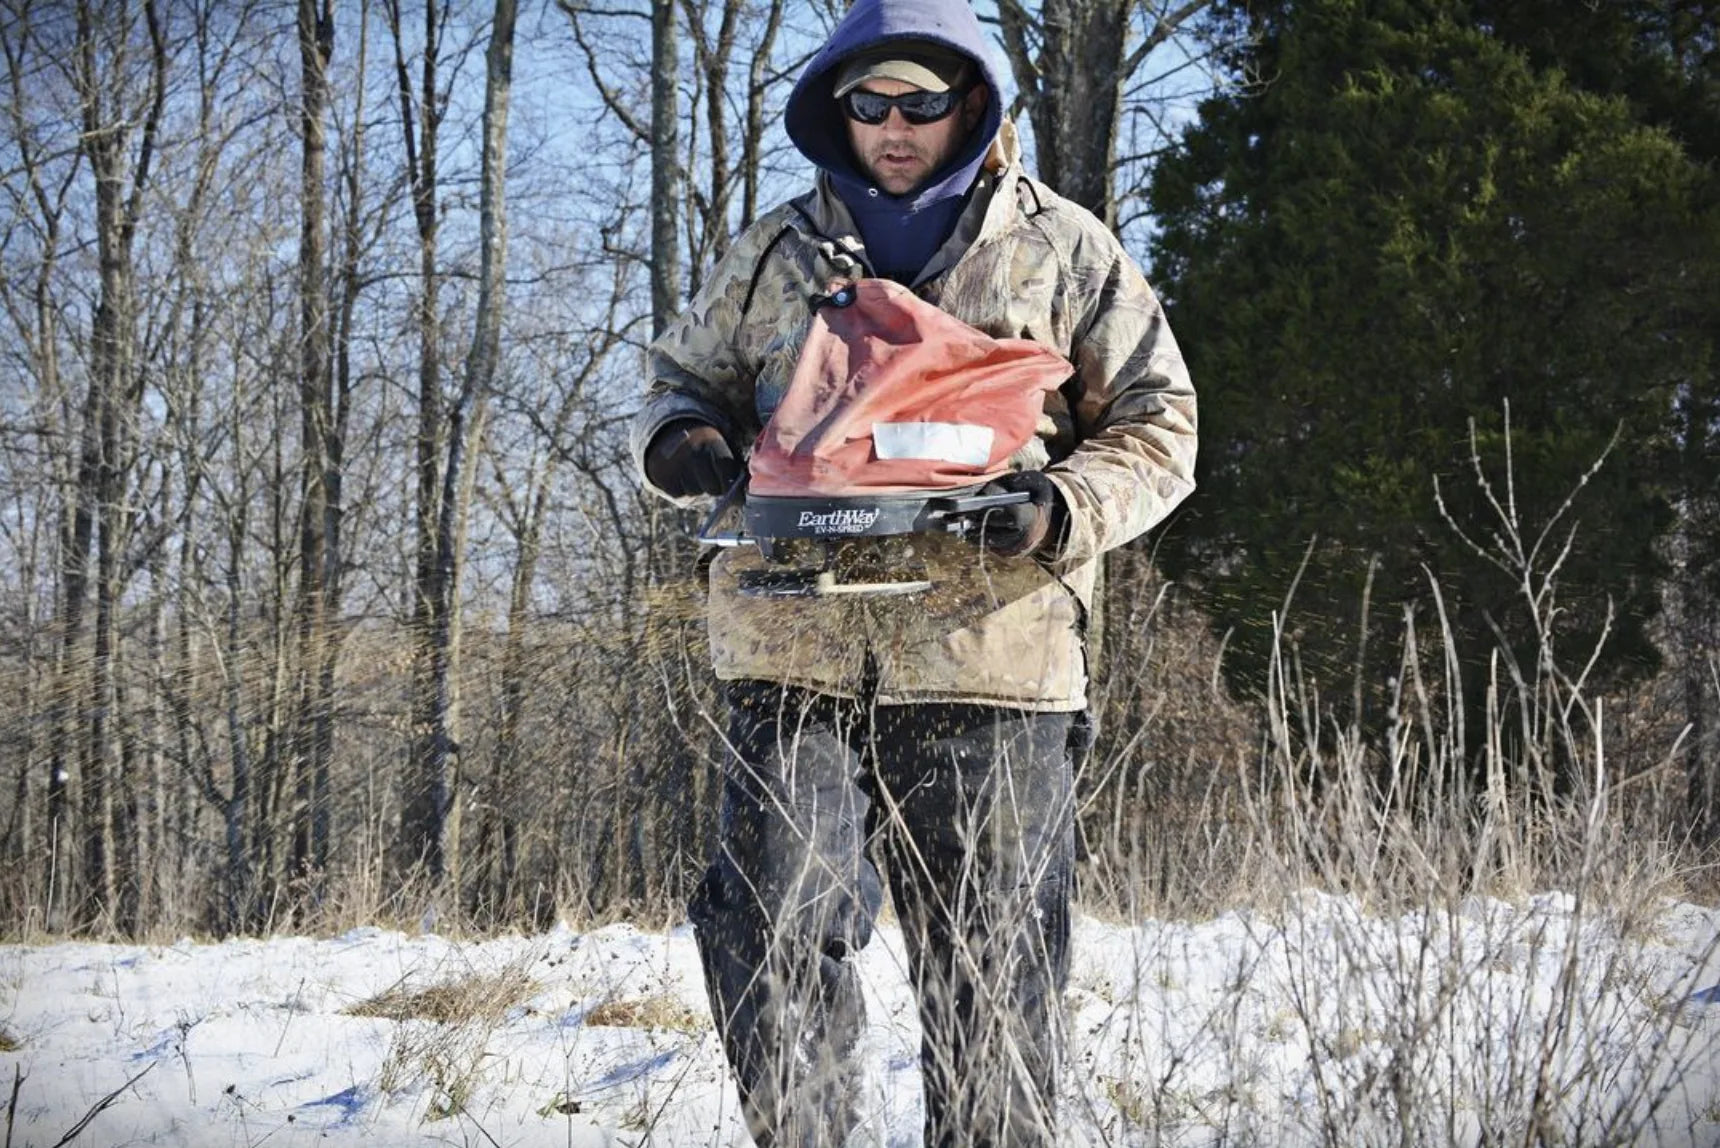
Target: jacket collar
<point>994,206</point>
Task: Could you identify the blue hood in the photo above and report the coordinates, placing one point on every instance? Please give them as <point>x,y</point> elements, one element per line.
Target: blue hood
<point>815,124</point>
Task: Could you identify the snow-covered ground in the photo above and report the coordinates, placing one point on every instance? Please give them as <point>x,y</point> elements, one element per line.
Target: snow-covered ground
<point>1313,1024</point>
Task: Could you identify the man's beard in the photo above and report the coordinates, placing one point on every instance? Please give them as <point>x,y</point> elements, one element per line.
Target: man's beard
<point>877,160</point>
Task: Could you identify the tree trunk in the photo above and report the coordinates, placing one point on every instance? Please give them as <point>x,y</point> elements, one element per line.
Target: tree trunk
<point>114,396</point>
<point>752,139</point>
<point>238,813</point>
<point>485,353</point>
<point>311,730</point>
<point>665,168</point>
<point>1073,88</point>
<point>429,838</point>
<point>425,804</point>
<point>271,775</point>
<point>351,286</point>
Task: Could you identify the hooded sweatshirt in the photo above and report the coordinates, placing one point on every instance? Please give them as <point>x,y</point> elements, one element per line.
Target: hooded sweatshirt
<point>901,232</point>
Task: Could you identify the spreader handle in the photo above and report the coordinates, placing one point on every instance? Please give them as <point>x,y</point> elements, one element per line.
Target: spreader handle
<point>968,504</point>
<point>709,535</point>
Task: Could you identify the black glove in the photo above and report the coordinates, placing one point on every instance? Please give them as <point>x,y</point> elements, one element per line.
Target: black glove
<point>689,457</point>
<point>1036,526</point>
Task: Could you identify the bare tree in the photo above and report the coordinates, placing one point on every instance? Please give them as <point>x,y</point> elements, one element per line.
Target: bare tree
<point>485,352</point>
<point>704,157</point>
<point>525,480</point>
<point>313,734</point>
<point>120,120</point>
<point>447,427</point>
<point>177,320</point>
<point>39,190</point>
<point>426,790</point>
<point>712,164</point>
<point>708,222</point>
<point>1075,63</point>
<point>239,481</point>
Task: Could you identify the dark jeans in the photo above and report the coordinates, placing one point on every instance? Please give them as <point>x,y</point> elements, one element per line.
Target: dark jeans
<point>971,810</point>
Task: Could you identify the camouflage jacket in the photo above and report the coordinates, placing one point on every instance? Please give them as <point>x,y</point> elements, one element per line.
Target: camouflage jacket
<point>1118,439</point>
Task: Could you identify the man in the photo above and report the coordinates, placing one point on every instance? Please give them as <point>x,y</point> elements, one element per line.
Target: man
<point>933,728</point>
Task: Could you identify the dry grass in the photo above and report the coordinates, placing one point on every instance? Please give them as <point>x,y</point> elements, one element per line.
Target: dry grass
<point>470,999</point>
<point>657,1011</point>
<point>8,1042</point>
<point>1398,886</point>
<point>442,1032</point>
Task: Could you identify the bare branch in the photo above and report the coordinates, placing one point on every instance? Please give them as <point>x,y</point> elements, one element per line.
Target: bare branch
<point>611,98</point>
<point>1166,26</point>
<point>100,1107</point>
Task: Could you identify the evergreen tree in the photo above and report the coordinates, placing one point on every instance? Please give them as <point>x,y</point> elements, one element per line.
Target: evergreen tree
<point>1663,56</point>
<point>1404,226</point>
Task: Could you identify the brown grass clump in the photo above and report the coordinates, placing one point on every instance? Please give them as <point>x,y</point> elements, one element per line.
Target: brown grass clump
<point>448,1054</point>
<point>472,998</point>
<point>660,1010</point>
<point>8,1042</point>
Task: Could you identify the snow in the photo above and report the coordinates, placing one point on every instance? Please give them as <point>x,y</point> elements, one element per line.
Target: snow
<point>1317,1022</point>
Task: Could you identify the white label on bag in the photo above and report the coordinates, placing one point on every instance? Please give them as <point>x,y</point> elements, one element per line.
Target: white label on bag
<point>964,443</point>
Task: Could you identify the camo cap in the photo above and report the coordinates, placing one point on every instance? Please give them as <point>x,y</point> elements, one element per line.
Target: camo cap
<point>922,63</point>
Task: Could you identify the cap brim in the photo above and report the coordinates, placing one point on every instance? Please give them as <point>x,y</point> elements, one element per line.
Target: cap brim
<point>904,71</point>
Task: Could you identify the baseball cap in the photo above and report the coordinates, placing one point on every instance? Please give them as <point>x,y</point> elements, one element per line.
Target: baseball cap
<point>925,65</point>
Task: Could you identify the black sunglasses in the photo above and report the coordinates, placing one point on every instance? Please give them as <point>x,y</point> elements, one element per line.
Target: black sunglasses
<point>916,107</point>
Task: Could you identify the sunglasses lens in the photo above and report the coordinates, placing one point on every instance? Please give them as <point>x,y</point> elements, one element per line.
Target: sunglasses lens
<point>925,107</point>
<point>868,107</point>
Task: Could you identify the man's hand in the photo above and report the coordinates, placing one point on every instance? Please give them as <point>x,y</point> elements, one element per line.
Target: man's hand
<point>689,457</point>
<point>1034,526</point>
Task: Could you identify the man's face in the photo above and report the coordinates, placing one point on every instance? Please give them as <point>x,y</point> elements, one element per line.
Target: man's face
<point>899,156</point>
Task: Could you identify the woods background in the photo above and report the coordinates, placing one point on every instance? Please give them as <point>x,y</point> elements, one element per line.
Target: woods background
<point>327,592</point>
